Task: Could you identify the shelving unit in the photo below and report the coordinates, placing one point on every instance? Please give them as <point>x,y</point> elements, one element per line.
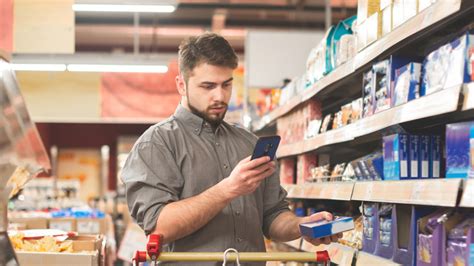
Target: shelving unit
<point>325,190</point>
<point>429,20</point>
<point>438,103</point>
<point>417,36</point>
<point>467,199</point>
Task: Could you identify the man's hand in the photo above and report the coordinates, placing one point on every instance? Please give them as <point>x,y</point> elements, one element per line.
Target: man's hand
<point>247,176</point>
<point>318,217</point>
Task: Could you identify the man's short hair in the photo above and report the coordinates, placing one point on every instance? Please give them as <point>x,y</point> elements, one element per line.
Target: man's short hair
<point>207,48</point>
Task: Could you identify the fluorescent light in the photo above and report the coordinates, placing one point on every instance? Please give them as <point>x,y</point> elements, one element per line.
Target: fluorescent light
<point>123,8</point>
<point>118,68</point>
<point>38,67</point>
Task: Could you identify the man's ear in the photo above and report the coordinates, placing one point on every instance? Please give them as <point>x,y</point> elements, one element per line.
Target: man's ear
<point>181,85</point>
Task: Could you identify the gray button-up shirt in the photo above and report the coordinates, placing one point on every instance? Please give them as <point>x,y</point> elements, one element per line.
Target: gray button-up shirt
<point>182,157</point>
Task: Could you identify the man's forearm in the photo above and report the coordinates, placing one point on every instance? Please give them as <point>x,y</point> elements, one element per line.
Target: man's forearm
<point>181,218</point>
<point>285,227</point>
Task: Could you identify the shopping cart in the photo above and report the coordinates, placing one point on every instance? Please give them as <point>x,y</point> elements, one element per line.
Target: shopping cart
<point>153,254</point>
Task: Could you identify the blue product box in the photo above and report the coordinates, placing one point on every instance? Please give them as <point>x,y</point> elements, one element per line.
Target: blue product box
<point>424,156</point>
<point>414,156</point>
<point>325,228</point>
<point>447,66</point>
<point>395,157</point>
<point>457,149</point>
<point>435,157</point>
<point>407,83</point>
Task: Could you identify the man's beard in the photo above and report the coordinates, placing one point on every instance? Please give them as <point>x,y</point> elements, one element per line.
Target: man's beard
<point>215,121</point>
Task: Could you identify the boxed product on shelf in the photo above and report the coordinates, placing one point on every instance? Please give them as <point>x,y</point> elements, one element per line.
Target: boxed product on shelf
<point>424,4</point>
<point>336,34</point>
<point>424,156</point>
<point>435,156</point>
<point>460,241</point>
<point>397,9</point>
<point>91,226</point>
<point>353,238</point>
<point>371,227</point>
<point>29,222</point>
<point>320,173</point>
<point>432,236</point>
<point>471,153</point>
<point>381,86</point>
<point>304,164</point>
<point>414,156</point>
<point>387,19</point>
<point>346,49</point>
<point>365,8</point>
<point>471,62</point>
<point>327,123</point>
<point>385,3</point>
<point>357,106</point>
<point>457,149</point>
<point>395,157</point>
<point>410,9</point>
<point>373,27</point>
<point>313,128</point>
<point>337,122</point>
<point>361,35</point>
<point>346,111</point>
<point>447,66</point>
<point>385,244</point>
<point>338,170</point>
<point>287,171</point>
<point>293,126</point>
<point>368,94</point>
<point>407,83</point>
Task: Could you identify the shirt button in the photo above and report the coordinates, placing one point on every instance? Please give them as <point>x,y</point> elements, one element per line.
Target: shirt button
<point>196,129</point>
<point>237,213</point>
<point>217,144</point>
<point>239,239</point>
<point>226,166</point>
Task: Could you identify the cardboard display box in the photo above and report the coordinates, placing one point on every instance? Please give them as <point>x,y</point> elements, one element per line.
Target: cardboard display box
<point>88,250</point>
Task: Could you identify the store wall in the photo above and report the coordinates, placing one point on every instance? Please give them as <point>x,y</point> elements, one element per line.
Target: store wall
<point>61,95</point>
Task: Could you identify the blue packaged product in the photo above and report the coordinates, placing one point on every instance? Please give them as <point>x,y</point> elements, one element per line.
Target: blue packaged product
<point>395,157</point>
<point>325,228</point>
<point>435,157</point>
<point>457,149</point>
<point>414,156</point>
<point>424,156</point>
<point>447,66</point>
<point>407,83</point>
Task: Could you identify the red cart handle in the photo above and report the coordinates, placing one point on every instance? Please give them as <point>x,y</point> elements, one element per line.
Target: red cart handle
<point>153,247</point>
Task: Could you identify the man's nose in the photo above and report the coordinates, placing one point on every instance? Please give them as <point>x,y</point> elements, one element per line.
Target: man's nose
<point>219,94</point>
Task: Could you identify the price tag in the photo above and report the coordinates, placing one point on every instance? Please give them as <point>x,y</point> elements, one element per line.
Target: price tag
<point>416,191</point>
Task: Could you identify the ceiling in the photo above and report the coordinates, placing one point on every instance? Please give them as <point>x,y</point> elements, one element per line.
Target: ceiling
<point>162,32</point>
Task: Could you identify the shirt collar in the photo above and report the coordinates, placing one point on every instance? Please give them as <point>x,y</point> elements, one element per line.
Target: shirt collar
<point>196,123</point>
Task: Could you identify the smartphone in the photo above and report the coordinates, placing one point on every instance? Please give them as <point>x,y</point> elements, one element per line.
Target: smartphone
<point>266,146</point>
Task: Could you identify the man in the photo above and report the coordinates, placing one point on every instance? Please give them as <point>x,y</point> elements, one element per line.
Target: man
<point>190,177</point>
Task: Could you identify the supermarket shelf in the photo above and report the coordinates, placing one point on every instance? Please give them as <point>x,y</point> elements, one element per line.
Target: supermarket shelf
<point>398,37</point>
<point>96,120</point>
<point>433,192</point>
<point>441,102</point>
<point>433,14</point>
<point>5,55</point>
<point>324,190</point>
<point>364,259</point>
<point>467,199</point>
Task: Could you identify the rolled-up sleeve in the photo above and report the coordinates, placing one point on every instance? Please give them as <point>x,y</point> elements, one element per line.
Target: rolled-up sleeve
<point>152,180</point>
<point>274,202</point>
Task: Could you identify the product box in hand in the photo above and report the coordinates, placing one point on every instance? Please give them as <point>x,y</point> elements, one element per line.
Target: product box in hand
<point>448,65</point>
<point>325,228</point>
<point>457,149</point>
<point>407,83</point>
<point>395,157</point>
